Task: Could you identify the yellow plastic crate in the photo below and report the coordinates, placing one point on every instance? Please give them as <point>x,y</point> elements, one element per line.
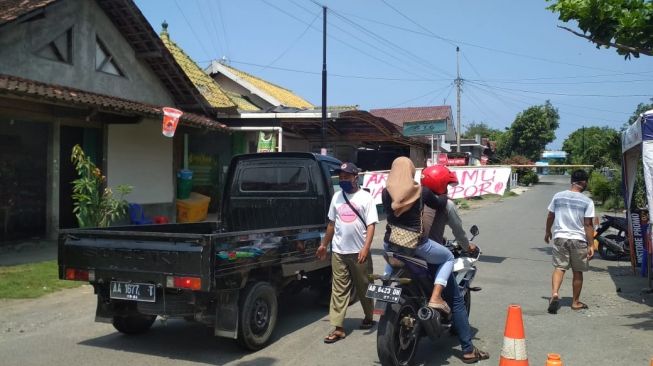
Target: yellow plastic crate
<point>193,209</point>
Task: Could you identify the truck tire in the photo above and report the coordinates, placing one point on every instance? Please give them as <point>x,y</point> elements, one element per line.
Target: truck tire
<point>133,324</point>
<point>257,315</point>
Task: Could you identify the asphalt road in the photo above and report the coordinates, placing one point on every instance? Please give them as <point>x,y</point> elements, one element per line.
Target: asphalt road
<point>515,268</point>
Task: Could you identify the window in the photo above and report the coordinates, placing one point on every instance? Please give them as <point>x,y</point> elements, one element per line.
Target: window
<point>60,49</point>
<point>104,61</point>
<point>269,179</point>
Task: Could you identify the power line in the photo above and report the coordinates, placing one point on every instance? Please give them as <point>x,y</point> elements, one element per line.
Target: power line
<point>429,33</point>
<point>193,30</point>
<point>419,25</point>
<point>387,43</point>
<point>343,42</point>
<point>292,44</point>
<point>512,97</point>
<point>224,29</point>
<point>420,96</point>
<point>566,83</point>
<point>423,62</point>
<point>562,94</point>
<point>212,42</point>
<point>421,80</point>
<point>215,27</point>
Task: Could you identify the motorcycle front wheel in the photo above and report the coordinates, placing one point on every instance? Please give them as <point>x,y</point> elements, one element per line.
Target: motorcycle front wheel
<point>396,340</point>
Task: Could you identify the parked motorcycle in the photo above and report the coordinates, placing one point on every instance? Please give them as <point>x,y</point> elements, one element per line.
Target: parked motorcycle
<point>611,245</point>
<point>402,302</point>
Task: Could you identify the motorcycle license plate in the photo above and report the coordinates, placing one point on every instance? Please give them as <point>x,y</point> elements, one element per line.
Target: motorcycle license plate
<point>132,291</point>
<point>383,293</point>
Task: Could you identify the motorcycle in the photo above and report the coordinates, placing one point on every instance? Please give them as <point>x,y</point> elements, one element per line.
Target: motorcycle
<point>402,302</point>
<point>612,246</point>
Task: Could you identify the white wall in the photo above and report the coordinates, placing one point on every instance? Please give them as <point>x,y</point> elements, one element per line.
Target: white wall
<point>139,155</point>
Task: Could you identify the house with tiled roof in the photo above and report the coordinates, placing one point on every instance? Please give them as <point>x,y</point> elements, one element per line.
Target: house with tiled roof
<point>92,73</point>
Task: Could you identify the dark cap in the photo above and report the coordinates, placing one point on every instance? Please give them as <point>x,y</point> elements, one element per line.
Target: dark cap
<point>579,176</point>
<point>347,167</point>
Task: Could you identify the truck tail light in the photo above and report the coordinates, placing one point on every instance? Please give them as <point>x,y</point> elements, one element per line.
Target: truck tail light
<point>74,274</point>
<point>190,283</point>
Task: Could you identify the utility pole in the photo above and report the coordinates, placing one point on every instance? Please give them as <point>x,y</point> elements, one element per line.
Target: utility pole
<point>323,150</point>
<point>458,82</point>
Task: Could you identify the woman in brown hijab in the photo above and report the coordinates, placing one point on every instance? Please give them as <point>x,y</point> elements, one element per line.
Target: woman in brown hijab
<point>403,201</point>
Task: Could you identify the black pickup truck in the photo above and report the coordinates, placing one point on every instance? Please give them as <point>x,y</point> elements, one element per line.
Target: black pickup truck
<point>227,275</point>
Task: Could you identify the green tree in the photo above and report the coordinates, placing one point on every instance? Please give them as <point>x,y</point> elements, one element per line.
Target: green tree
<point>482,129</point>
<point>530,132</point>
<point>641,108</point>
<point>626,25</point>
<point>598,146</point>
<point>95,206</point>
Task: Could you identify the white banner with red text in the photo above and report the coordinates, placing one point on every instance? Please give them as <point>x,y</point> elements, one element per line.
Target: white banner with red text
<point>472,181</point>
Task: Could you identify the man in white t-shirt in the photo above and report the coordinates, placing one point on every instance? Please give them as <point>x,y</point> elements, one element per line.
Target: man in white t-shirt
<point>352,217</point>
<point>570,214</point>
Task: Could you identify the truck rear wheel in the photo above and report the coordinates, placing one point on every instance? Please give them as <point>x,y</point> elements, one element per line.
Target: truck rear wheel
<point>258,315</point>
<point>133,324</point>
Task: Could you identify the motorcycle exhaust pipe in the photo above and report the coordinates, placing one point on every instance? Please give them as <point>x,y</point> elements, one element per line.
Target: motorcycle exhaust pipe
<point>430,320</point>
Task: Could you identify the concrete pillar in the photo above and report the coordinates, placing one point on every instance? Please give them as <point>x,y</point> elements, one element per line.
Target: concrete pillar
<point>52,191</point>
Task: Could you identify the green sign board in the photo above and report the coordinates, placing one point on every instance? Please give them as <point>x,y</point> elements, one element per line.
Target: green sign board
<point>425,128</point>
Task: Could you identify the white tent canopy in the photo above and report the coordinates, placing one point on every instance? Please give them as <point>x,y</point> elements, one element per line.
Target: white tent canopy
<point>636,143</point>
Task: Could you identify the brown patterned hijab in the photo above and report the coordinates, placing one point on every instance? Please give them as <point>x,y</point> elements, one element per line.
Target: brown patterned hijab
<point>401,185</point>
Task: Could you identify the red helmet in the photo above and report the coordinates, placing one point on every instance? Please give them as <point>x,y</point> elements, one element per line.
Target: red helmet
<point>437,178</point>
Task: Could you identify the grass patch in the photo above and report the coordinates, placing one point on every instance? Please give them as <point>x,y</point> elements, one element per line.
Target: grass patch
<point>508,193</point>
<point>32,280</point>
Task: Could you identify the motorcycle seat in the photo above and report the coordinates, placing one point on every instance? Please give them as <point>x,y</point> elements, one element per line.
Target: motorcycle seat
<point>397,260</point>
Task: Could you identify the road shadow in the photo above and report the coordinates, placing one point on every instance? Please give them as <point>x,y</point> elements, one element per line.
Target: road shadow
<point>436,353</point>
<point>629,286</point>
<point>189,341</point>
<point>546,249</point>
<point>646,322</point>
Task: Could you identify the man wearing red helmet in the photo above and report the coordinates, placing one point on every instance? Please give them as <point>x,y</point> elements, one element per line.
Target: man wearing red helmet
<point>437,178</point>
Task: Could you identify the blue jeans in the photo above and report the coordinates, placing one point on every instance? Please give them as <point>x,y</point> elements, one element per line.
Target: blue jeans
<point>433,253</point>
<point>460,320</point>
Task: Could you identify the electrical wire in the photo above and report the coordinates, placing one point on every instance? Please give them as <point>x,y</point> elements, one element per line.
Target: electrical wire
<point>193,30</point>
<point>205,24</point>
<point>420,96</point>
<point>224,29</point>
<point>429,33</point>
<point>292,44</point>
<point>344,42</point>
<point>562,94</point>
<point>215,27</point>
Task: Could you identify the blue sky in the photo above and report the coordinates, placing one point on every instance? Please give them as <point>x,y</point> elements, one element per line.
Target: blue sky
<point>391,53</point>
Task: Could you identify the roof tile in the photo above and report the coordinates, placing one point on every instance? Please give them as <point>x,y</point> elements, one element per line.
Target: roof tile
<point>204,83</point>
<point>283,95</point>
<point>11,10</point>
<point>411,114</point>
<point>12,85</point>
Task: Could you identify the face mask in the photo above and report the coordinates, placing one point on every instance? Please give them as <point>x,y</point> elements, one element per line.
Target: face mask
<point>346,186</point>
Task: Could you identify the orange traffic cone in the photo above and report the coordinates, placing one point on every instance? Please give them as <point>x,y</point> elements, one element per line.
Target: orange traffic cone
<point>513,352</point>
<point>553,359</point>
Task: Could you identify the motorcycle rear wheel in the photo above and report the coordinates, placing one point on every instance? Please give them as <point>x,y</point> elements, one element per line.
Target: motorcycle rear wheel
<point>396,342</point>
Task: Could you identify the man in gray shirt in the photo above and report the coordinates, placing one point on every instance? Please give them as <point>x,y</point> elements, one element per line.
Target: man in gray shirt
<point>570,216</point>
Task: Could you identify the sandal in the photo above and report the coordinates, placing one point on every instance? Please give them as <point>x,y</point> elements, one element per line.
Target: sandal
<point>478,355</point>
<point>334,337</point>
<point>367,324</point>
<point>553,305</point>
<point>582,306</point>
<point>440,306</point>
